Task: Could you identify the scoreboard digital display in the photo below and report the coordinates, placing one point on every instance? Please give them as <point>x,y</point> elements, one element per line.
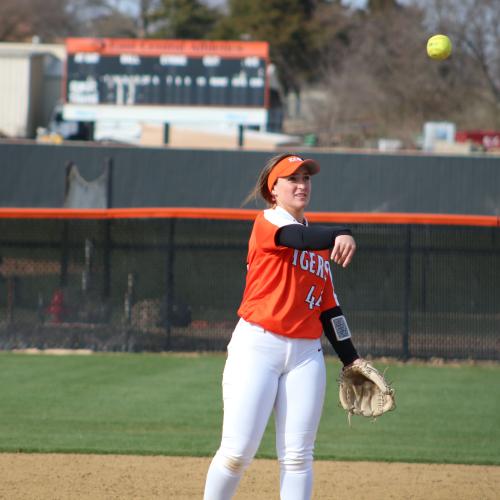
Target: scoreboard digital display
<point>128,72</point>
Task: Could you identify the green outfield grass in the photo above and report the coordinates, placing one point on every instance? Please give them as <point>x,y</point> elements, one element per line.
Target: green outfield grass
<point>171,405</point>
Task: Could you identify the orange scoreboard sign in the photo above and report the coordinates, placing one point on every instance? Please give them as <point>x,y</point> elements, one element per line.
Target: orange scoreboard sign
<point>166,72</point>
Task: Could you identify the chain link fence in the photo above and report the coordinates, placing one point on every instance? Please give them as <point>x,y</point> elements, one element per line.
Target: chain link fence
<point>154,284</point>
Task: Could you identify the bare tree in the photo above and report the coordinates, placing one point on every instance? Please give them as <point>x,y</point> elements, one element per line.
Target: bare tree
<point>145,12</point>
<point>474,26</point>
<point>379,81</point>
<point>21,20</point>
<point>376,79</point>
<point>111,18</point>
<point>52,20</point>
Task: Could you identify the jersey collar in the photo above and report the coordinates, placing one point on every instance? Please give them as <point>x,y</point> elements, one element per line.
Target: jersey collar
<point>289,216</point>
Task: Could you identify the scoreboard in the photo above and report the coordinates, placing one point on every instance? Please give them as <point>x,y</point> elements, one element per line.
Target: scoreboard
<point>134,72</point>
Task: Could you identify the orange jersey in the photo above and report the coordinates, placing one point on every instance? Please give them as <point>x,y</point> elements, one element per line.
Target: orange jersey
<point>286,289</point>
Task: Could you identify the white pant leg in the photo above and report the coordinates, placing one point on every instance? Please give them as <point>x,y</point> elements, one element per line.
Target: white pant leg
<point>255,362</point>
<point>298,409</point>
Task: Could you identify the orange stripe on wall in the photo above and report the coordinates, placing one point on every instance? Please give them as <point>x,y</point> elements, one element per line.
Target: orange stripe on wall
<point>244,214</point>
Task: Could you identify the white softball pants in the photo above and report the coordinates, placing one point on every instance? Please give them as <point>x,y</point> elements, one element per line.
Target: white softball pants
<point>265,371</point>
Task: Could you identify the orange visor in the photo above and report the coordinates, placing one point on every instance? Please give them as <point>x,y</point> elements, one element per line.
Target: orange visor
<point>288,166</point>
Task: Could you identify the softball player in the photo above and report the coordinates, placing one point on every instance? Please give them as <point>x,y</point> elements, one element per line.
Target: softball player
<point>275,360</point>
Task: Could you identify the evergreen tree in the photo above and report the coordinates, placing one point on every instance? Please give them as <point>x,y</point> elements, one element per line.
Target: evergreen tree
<point>381,5</point>
<point>188,19</point>
<point>288,26</point>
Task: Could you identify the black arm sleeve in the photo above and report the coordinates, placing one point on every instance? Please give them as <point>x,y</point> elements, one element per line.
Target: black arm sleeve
<point>338,334</point>
<point>308,237</point>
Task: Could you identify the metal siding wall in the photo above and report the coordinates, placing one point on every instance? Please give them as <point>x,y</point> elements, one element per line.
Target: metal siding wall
<point>33,175</point>
<point>14,95</point>
<point>397,183</point>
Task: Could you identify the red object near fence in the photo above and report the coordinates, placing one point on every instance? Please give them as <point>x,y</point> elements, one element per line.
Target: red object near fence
<point>488,139</point>
<point>56,307</point>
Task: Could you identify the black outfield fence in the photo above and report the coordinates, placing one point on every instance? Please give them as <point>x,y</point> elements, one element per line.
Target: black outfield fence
<point>134,280</point>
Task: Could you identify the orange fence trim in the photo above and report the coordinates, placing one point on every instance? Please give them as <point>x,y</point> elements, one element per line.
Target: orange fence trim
<point>245,214</point>
<point>406,218</point>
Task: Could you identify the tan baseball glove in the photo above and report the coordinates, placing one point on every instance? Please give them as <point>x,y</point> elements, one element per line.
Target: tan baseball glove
<point>364,391</point>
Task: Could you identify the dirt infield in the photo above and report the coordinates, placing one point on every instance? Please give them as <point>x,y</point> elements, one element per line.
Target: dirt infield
<point>99,477</point>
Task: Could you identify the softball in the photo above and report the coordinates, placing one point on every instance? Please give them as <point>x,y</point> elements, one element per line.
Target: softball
<point>439,47</point>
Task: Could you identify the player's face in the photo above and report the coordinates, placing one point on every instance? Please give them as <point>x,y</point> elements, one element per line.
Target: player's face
<point>293,192</point>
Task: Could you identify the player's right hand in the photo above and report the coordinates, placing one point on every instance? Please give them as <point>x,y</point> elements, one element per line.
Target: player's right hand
<point>343,250</point>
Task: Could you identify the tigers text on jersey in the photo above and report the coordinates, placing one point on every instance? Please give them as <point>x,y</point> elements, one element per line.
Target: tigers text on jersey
<point>286,289</point>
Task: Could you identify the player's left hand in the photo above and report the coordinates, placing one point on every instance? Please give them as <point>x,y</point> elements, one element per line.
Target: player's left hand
<point>343,250</point>
<point>364,391</point>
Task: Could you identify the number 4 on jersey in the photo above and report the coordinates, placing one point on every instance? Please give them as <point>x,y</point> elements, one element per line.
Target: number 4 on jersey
<point>311,299</point>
